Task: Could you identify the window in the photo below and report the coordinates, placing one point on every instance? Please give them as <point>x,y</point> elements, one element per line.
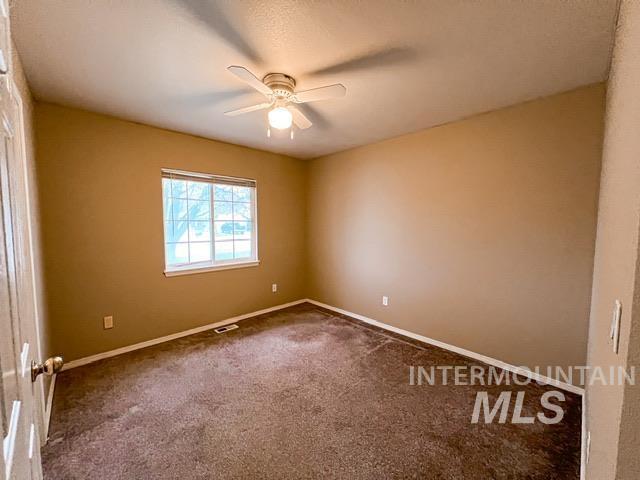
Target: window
<point>209,222</point>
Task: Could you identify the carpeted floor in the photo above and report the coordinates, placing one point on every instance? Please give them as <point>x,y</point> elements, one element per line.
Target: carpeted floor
<point>299,393</point>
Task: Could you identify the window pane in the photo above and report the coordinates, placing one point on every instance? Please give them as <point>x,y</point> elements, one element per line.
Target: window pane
<point>241,194</point>
<point>179,209</point>
<point>199,210</point>
<point>242,249</point>
<point>242,230</point>
<point>223,230</point>
<point>200,252</point>
<point>193,208</point>
<point>178,188</point>
<point>224,250</point>
<point>166,187</point>
<point>167,209</point>
<point>199,231</point>
<point>223,192</point>
<point>175,232</point>
<point>199,190</point>
<point>242,211</point>
<point>177,253</point>
<point>166,198</point>
<point>222,211</point>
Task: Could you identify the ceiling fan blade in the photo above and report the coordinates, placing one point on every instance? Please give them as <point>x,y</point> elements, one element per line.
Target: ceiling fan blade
<point>210,98</point>
<point>299,118</point>
<point>384,58</point>
<point>252,108</point>
<point>249,78</point>
<point>322,93</point>
<point>216,16</point>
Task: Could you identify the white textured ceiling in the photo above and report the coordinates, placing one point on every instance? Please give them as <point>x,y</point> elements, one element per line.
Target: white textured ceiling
<point>407,65</point>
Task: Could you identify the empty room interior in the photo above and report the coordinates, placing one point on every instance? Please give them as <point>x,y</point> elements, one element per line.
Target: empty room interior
<point>340,239</point>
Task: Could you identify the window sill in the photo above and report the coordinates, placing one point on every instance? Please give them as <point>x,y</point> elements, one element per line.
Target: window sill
<point>190,270</point>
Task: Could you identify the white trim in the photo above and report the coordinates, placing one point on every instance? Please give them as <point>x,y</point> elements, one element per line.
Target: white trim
<point>9,442</point>
<point>192,269</point>
<point>24,360</point>
<point>118,351</point>
<point>32,440</point>
<point>583,440</point>
<point>48,408</point>
<point>467,353</point>
<point>213,264</point>
<point>210,177</point>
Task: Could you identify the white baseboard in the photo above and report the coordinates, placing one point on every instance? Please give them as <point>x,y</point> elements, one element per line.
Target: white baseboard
<point>137,346</point>
<point>467,353</point>
<point>47,408</point>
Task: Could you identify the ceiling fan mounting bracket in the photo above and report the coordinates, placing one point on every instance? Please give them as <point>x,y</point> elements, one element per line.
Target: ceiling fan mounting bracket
<point>282,85</point>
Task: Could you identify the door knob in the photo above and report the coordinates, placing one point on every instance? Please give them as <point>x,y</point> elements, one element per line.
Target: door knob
<point>50,366</point>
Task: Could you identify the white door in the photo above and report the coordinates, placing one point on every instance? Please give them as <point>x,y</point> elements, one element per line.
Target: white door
<point>19,429</point>
<point>21,399</point>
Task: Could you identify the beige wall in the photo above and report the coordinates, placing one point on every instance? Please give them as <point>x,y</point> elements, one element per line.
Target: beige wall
<point>481,232</point>
<point>99,183</point>
<point>613,412</point>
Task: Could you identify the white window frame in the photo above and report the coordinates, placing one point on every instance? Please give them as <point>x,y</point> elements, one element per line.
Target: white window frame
<point>213,265</point>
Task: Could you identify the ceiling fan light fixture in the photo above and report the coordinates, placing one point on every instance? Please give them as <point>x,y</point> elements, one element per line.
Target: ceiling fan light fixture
<point>280,118</point>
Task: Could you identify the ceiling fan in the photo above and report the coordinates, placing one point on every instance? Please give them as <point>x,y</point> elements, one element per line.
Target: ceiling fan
<point>281,98</point>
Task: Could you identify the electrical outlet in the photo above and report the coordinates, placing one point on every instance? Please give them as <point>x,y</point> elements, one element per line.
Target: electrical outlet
<point>274,287</point>
<point>107,322</point>
<point>385,301</point>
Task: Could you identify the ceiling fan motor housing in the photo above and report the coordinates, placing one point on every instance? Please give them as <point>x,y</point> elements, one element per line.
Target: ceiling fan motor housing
<point>281,84</point>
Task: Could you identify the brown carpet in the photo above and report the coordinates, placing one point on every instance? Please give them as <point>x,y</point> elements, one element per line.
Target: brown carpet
<point>299,393</point>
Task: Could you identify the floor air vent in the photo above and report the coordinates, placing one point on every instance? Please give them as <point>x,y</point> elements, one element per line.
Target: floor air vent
<point>226,328</point>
